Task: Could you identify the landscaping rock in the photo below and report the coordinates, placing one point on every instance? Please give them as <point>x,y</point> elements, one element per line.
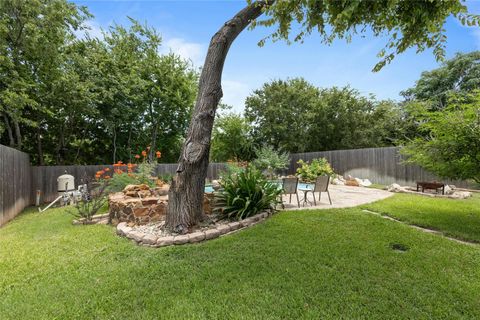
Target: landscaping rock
<point>223,228</point>
<point>460,195</point>
<point>234,226</point>
<point>363,182</point>
<point>352,183</point>
<point>208,203</point>
<point>248,222</point>
<point>338,182</point>
<point>165,241</point>
<point>180,239</point>
<point>150,239</point>
<point>211,234</point>
<point>135,235</point>
<point>394,187</point>
<point>216,185</point>
<point>162,191</point>
<point>120,227</point>
<point>449,189</point>
<point>196,236</point>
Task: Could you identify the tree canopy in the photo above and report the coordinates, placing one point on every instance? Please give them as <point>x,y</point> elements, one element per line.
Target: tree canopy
<point>66,98</point>
<point>410,24</point>
<point>295,116</point>
<point>451,149</point>
<point>231,139</point>
<point>460,75</point>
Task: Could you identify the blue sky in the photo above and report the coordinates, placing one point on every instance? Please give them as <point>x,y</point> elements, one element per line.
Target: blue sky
<point>187,26</point>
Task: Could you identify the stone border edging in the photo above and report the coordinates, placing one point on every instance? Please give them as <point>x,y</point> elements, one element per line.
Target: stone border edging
<point>150,240</point>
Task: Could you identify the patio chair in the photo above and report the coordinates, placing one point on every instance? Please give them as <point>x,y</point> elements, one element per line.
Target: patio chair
<point>289,187</point>
<point>321,185</point>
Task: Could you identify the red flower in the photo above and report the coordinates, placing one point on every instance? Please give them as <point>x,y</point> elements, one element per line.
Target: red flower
<point>137,156</point>
<point>144,153</point>
<point>159,154</point>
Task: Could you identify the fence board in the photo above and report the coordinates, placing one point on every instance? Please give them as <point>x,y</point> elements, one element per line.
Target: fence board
<point>15,183</point>
<point>19,181</point>
<point>379,165</point>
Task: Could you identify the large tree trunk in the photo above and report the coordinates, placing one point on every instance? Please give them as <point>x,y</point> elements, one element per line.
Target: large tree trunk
<point>186,192</point>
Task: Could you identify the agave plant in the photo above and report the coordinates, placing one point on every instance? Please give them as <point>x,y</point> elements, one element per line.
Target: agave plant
<point>244,194</point>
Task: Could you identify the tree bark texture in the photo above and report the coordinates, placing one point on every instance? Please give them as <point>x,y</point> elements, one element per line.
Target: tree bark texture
<point>9,130</point>
<point>18,134</point>
<point>185,205</point>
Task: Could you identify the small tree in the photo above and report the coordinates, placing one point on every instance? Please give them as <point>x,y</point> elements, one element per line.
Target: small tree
<point>451,147</point>
<point>231,139</point>
<point>270,161</point>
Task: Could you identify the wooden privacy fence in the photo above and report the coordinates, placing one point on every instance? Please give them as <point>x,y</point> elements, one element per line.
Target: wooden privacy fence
<point>15,183</point>
<point>379,165</point>
<point>19,181</point>
<point>45,178</point>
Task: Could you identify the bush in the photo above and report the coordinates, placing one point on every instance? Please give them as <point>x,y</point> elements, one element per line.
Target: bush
<point>270,161</point>
<point>93,199</point>
<point>309,172</point>
<point>233,167</point>
<point>121,178</point>
<point>245,194</point>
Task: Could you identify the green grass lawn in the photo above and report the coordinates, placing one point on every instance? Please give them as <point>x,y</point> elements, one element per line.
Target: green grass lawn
<point>308,264</point>
<point>456,218</point>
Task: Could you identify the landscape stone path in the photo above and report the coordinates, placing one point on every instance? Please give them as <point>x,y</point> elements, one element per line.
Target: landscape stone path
<point>423,229</point>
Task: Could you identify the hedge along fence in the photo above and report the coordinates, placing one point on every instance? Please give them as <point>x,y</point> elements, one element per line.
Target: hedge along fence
<point>379,165</point>
<point>15,183</point>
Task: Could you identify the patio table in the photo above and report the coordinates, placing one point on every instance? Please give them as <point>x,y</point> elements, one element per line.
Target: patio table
<point>305,188</point>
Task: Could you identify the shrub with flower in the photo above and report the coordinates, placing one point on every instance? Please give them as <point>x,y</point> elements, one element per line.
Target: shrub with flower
<point>132,173</point>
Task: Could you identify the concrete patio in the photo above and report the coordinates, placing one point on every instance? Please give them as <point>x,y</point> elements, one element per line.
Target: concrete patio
<point>342,197</point>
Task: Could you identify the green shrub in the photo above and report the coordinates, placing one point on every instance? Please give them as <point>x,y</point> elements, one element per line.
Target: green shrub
<point>119,181</point>
<point>145,172</point>
<point>142,175</point>
<point>270,161</point>
<point>310,171</point>
<point>232,168</point>
<point>245,194</point>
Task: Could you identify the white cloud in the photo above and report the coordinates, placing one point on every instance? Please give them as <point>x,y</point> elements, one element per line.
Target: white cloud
<point>234,94</point>
<point>92,28</point>
<point>195,52</point>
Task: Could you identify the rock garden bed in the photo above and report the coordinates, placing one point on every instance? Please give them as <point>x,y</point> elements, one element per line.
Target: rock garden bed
<point>153,235</point>
<point>139,214</point>
<point>138,205</point>
<point>450,191</point>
